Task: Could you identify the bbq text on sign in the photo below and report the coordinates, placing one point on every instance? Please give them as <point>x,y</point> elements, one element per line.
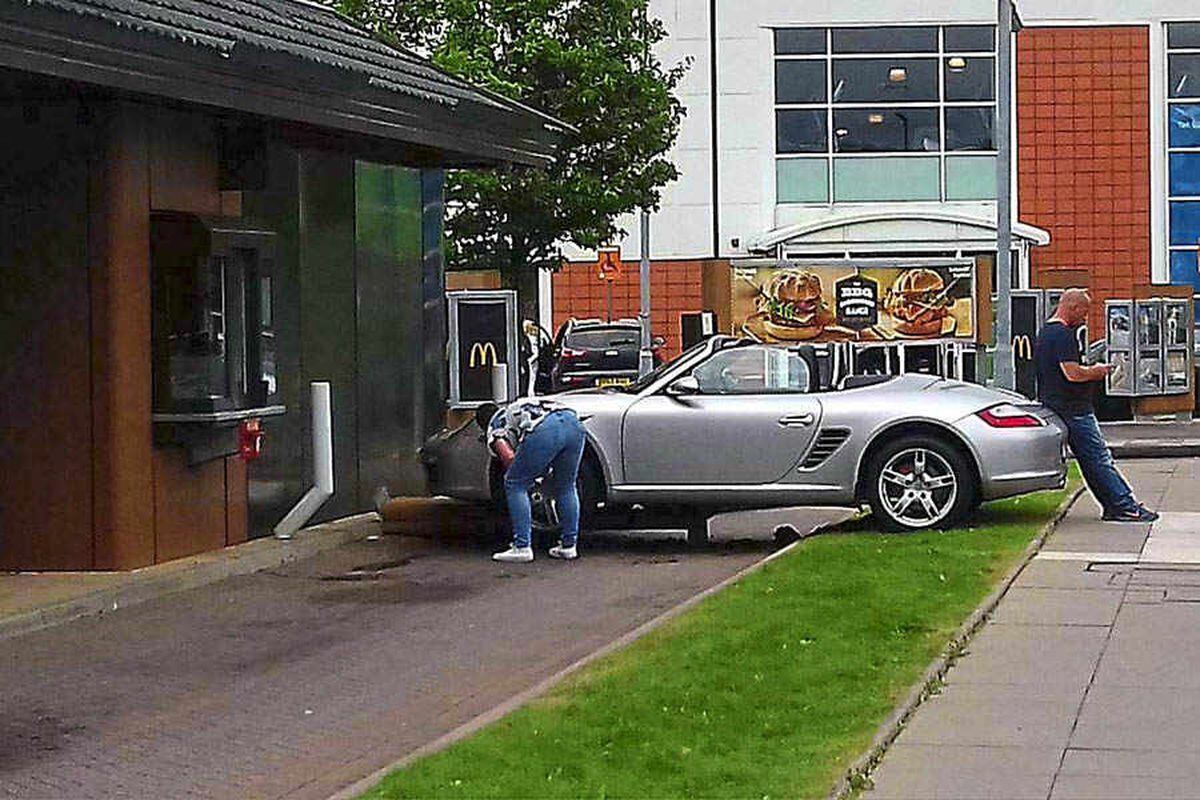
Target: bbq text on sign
<point>857,302</point>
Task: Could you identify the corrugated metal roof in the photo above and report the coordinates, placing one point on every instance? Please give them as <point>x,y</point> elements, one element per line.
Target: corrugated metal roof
<point>296,28</point>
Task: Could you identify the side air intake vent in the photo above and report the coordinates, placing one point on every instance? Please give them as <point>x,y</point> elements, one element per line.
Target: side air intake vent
<point>827,443</point>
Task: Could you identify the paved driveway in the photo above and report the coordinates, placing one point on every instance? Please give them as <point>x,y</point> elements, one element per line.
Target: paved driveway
<point>298,682</point>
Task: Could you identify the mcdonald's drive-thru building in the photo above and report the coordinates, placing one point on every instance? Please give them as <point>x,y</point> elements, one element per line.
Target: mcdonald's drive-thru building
<point>827,136</point>
<point>203,212</point>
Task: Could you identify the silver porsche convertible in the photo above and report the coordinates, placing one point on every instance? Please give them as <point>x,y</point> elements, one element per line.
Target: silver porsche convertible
<point>737,424</point>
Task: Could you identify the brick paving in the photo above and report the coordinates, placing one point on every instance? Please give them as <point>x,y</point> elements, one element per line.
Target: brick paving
<point>297,682</point>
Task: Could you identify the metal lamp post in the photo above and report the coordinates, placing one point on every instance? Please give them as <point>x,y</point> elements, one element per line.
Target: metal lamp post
<point>1005,369</point>
<point>645,355</point>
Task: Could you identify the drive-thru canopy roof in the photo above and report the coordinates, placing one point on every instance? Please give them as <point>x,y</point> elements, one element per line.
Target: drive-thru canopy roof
<point>882,229</point>
<point>291,60</point>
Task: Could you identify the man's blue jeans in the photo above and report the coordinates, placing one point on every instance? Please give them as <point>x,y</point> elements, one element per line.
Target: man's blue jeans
<point>1096,463</point>
<point>555,444</point>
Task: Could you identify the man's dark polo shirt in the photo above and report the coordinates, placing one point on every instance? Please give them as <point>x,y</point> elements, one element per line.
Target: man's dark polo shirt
<point>1057,344</point>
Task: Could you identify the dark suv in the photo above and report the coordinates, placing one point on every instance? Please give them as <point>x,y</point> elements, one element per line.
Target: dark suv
<point>589,352</point>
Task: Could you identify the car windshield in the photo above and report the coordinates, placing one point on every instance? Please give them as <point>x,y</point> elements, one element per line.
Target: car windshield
<point>656,373</point>
<point>602,338</point>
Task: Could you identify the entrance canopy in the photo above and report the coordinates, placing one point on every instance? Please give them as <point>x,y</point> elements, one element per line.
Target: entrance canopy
<point>890,229</point>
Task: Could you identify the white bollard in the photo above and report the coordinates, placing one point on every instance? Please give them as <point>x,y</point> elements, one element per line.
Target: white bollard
<point>500,383</point>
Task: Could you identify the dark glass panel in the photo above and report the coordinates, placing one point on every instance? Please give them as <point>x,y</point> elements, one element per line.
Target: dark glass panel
<point>884,80</point>
<point>970,78</point>
<point>886,130</point>
<point>969,38</point>
<point>1184,75</point>
<point>800,81</point>
<point>970,128</point>
<point>800,131</point>
<point>799,41</point>
<point>885,40</point>
<point>1183,127</point>
<point>1185,223</point>
<point>1185,174</point>
<point>1183,34</point>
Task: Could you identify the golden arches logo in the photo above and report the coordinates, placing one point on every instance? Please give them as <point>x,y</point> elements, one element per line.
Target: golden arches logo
<point>483,352</point>
<point>1022,347</point>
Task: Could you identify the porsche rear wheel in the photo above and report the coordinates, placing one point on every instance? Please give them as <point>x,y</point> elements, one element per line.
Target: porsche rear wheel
<point>919,482</point>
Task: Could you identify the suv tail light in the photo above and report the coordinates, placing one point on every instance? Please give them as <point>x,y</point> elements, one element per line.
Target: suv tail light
<point>1006,415</point>
<point>571,354</point>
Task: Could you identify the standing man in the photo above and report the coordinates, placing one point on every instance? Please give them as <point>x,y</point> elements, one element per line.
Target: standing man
<point>1066,386</point>
<point>533,437</point>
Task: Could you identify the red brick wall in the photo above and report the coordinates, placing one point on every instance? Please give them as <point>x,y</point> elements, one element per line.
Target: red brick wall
<point>1084,153</point>
<point>675,288</point>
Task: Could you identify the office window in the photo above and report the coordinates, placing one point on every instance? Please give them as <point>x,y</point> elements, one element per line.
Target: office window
<point>885,40</point>
<point>970,38</point>
<point>882,179</point>
<point>802,180</point>
<point>799,81</point>
<point>885,94</point>
<point>799,41</point>
<point>884,80</point>
<point>1183,151</point>
<point>970,177</point>
<point>800,131</point>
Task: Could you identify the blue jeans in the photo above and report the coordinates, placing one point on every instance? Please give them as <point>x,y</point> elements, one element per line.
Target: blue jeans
<point>1096,463</point>
<point>555,444</point>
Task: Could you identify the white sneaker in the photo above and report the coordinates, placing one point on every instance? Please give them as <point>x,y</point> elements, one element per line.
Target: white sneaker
<point>558,551</point>
<point>514,554</point>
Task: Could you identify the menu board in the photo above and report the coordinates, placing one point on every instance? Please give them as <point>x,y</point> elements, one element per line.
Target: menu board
<point>847,301</point>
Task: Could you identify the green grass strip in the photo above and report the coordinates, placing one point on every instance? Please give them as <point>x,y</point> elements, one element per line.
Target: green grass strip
<point>767,690</point>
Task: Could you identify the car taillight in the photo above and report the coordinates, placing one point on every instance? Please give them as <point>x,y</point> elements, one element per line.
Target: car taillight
<point>1006,415</point>
<point>571,354</point>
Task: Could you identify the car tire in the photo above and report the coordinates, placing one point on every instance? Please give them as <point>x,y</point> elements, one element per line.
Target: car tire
<point>697,526</point>
<point>590,486</point>
<point>918,482</point>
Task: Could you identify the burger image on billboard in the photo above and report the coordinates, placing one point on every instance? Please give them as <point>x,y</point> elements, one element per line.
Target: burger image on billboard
<point>918,303</point>
<point>792,306</point>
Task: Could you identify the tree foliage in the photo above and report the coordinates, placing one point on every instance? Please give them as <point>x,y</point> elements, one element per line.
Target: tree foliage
<point>589,63</point>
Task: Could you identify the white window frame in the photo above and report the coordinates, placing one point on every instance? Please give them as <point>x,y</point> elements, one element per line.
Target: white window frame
<point>941,104</point>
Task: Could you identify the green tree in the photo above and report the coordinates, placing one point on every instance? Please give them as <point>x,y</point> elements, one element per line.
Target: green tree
<point>589,63</point>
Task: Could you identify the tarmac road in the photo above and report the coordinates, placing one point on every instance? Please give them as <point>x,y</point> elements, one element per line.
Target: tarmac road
<point>298,682</point>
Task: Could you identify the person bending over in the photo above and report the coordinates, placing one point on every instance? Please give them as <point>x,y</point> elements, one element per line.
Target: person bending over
<point>534,437</point>
<point>1065,385</point>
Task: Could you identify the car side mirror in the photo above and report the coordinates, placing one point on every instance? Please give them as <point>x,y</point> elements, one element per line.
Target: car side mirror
<point>683,386</point>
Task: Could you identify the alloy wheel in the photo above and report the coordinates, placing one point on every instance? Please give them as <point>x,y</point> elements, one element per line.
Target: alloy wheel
<point>918,487</point>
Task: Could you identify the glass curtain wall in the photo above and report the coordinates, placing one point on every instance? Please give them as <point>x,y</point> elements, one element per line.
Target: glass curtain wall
<point>1183,151</point>
<point>885,114</point>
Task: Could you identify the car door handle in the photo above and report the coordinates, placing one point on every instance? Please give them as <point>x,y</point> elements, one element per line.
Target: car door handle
<point>796,420</point>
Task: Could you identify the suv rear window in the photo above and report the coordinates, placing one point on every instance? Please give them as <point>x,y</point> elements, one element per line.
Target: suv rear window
<point>602,338</point>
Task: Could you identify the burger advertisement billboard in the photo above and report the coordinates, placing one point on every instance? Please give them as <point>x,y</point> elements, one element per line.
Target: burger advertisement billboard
<point>848,301</point>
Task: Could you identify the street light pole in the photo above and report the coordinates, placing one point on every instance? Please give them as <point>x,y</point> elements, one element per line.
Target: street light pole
<point>1005,369</point>
<point>645,355</point>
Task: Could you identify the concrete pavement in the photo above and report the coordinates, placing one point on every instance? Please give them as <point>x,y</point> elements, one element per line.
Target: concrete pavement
<point>1084,683</point>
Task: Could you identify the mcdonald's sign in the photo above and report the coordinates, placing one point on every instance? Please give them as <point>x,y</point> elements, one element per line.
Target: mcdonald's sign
<point>482,354</point>
<point>1022,347</point>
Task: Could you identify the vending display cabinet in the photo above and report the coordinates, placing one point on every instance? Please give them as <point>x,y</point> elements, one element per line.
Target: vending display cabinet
<point>1150,346</point>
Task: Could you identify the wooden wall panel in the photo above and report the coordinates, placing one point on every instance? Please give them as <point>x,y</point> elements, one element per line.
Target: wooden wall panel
<point>45,405</point>
<point>119,254</point>
<point>189,505</point>
<point>236,501</point>
<point>184,162</point>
